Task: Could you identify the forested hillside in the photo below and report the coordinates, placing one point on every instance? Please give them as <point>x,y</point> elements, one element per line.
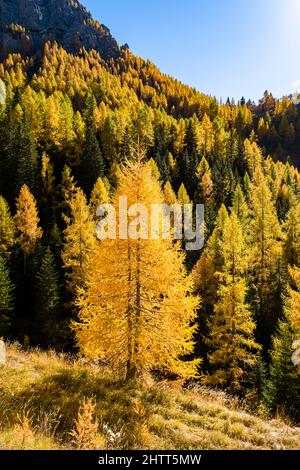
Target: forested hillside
<point>70,128</point>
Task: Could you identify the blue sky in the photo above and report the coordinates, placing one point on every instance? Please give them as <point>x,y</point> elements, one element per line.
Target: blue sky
<point>222,47</point>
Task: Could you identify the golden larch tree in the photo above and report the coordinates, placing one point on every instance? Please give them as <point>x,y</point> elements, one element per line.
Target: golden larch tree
<point>137,310</point>
<point>99,196</point>
<point>27,222</point>
<point>80,239</point>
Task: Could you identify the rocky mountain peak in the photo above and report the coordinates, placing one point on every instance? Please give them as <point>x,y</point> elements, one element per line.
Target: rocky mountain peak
<point>25,25</point>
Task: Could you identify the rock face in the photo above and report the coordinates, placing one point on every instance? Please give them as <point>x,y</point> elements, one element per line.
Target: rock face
<point>2,353</point>
<point>25,25</point>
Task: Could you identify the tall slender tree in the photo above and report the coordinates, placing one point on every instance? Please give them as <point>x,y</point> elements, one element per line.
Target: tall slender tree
<point>6,297</point>
<point>136,308</point>
<point>27,223</point>
<point>7,229</point>
<point>231,327</point>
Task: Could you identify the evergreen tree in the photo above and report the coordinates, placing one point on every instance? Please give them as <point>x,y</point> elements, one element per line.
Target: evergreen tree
<point>47,299</point>
<point>231,328</point>
<point>6,297</point>
<point>68,189</point>
<point>7,229</point>
<point>27,158</point>
<point>92,163</point>
<point>206,280</point>
<point>266,268</point>
<point>282,390</point>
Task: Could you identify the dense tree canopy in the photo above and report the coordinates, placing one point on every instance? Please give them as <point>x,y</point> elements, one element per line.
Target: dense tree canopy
<point>69,124</point>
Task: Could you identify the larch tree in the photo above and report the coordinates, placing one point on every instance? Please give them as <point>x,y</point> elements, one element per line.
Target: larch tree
<point>80,237</point>
<point>231,327</point>
<point>266,268</point>
<point>183,197</point>
<point>293,300</point>
<point>7,229</point>
<point>205,189</point>
<point>253,156</point>
<point>136,308</point>
<point>292,237</point>
<point>27,223</point>
<point>99,196</point>
<point>169,195</point>
<point>240,206</point>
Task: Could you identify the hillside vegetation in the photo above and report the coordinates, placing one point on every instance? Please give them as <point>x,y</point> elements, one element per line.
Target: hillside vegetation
<point>42,393</point>
<point>82,126</point>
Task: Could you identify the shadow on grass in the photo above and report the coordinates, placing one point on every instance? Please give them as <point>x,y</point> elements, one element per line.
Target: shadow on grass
<point>122,406</point>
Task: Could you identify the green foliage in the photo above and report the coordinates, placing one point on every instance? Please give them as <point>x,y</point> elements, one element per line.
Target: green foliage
<point>6,297</point>
<point>66,132</point>
<point>47,299</point>
<point>282,391</point>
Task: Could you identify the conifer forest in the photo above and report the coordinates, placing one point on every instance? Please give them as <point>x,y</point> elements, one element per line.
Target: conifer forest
<point>148,324</point>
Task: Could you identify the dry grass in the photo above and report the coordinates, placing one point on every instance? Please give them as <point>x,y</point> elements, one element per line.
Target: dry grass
<point>49,401</point>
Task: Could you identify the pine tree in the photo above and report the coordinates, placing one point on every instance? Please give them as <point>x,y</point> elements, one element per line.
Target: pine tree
<point>231,328</point>
<point>6,297</point>
<point>92,163</point>
<point>80,236</point>
<point>7,229</point>
<point>26,152</point>
<point>47,298</point>
<point>283,387</point>
<point>136,308</point>
<point>27,223</point>
<point>154,169</point>
<point>48,189</point>
<point>211,262</point>
<point>68,189</point>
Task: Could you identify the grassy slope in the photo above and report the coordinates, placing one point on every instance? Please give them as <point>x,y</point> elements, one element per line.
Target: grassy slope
<point>40,394</point>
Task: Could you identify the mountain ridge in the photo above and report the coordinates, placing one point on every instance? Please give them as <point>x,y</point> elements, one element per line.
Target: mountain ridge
<point>26,25</point>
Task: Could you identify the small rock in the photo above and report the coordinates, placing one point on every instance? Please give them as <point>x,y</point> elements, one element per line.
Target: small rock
<point>2,352</point>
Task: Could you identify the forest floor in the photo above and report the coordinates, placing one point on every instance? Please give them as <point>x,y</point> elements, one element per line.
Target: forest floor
<point>42,393</point>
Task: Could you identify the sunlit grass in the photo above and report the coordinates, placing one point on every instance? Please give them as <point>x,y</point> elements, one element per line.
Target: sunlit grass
<point>42,396</point>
